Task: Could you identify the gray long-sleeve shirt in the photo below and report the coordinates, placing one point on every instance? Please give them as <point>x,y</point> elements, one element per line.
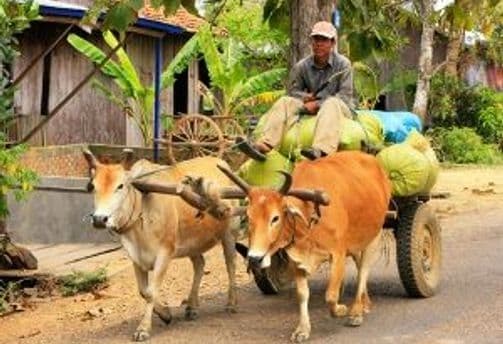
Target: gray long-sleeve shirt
<point>306,77</point>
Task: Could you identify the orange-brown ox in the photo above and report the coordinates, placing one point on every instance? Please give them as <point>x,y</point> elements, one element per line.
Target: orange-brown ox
<point>155,228</point>
<point>351,224</point>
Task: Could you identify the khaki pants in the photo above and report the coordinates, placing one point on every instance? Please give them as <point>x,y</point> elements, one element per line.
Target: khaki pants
<point>284,113</point>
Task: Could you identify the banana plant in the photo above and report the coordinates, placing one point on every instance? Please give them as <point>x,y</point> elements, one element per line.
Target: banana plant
<point>231,89</point>
<point>135,99</point>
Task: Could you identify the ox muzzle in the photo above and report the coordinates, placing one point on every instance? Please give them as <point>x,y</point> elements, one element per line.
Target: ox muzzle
<point>99,221</point>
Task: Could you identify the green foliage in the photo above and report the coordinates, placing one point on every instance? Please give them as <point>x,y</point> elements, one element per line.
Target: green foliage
<point>495,46</point>
<point>183,57</point>
<point>371,28</point>
<point>452,103</point>
<point>263,47</point>
<point>463,146</point>
<point>490,122</point>
<point>232,88</point>
<point>14,18</point>
<point>83,281</point>
<point>14,175</point>
<point>445,91</point>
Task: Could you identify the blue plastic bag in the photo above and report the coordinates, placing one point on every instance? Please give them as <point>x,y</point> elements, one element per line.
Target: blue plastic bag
<point>398,124</point>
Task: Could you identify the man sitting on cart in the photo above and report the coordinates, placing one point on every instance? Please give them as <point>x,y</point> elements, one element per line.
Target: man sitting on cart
<point>320,85</point>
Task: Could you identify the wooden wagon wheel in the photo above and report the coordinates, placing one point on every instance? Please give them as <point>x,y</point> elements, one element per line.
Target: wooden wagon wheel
<point>195,136</point>
<point>231,129</point>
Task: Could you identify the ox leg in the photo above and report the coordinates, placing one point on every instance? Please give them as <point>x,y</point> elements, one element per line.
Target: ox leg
<point>228,244</point>
<point>368,257</point>
<point>334,286</point>
<point>303,330</point>
<point>142,332</point>
<point>191,311</point>
<point>365,297</point>
<point>149,291</point>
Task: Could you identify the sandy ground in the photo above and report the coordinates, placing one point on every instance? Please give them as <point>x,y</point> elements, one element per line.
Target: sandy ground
<point>468,308</point>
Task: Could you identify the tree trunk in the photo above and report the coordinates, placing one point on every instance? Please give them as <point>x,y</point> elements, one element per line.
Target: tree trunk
<point>425,60</point>
<point>303,15</point>
<point>453,52</point>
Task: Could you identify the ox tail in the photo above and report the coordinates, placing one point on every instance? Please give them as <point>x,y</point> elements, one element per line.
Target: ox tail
<point>387,242</point>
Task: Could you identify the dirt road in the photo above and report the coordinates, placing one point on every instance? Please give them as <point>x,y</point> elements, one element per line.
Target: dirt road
<point>467,309</point>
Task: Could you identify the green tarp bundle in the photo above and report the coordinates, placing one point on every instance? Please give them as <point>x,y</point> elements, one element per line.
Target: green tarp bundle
<point>374,130</point>
<point>366,128</point>
<point>265,173</point>
<point>411,166</point>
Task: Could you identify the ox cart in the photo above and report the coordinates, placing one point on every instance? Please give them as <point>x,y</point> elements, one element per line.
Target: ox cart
<point>411,219</point>
<point>417,234</point>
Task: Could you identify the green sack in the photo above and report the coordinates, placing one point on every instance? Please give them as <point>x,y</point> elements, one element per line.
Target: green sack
<point>406,167</point>
<point>265,173</point>
<point>299,136</point>
<point>419,142</point>
<point>373,128</point>
<point>257,132</point>
<point>352,135</point>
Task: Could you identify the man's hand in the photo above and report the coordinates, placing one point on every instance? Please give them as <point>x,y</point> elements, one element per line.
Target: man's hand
<point>311,107</point>
<point>308,98</point>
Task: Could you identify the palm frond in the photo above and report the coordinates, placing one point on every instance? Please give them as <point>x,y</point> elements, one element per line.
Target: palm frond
<point>210,97</point>
<point>259,83</point>
<point>97,56</point>
<point>107,93</point>
<point>181,60</point>
<point>125,62</point>
<point>212,57</point>
<point>268,97</point>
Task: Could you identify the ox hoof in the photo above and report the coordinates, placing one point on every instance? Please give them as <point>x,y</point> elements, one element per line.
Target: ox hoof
<point>355,320</point>
<point>231,309</point>
<point>300,335</point>
<point>141,336</point>
<point>339,311</point>
<point>191,314</point>
<point>164,313</point>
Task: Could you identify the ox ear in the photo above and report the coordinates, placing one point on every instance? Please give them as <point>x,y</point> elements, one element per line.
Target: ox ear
<point>127,158</point>
<point>295,212</point>
<point>92,162</point>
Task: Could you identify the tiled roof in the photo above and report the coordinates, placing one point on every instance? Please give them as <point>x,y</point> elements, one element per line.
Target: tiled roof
<point>182,18</point>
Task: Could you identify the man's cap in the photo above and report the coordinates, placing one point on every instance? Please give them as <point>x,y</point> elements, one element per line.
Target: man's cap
<point>324,29</point>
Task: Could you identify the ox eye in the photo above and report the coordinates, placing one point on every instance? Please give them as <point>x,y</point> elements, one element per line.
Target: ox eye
<point>274,220</point>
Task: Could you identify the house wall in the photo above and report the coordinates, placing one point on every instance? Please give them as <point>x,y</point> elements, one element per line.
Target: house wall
<point>88,117</point>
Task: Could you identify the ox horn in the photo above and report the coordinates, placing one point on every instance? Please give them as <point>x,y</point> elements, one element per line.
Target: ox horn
<point>235,178</point>
<point>316,196</point>
<point>127,159</point>
<point>287,183</point>
<point>91,159</point>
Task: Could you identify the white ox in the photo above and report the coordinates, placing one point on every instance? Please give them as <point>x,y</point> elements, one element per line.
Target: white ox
<point>155,228</point>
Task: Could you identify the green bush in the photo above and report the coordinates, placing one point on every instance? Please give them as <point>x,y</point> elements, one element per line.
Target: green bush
<point>470,104</point>
<point>453,104</point>
<point>442,104</point>
<point>490,122</point>
<point>83,281</point>
<point>463,146</point>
